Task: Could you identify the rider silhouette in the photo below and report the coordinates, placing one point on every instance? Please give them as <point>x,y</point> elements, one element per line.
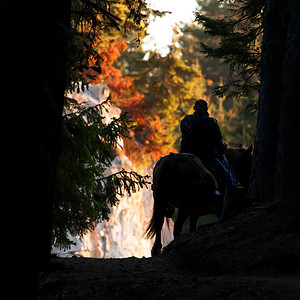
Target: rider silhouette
<point>201,136</point>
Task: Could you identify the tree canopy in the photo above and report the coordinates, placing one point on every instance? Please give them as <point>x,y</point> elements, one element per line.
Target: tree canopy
<point>239,36</point>
<point>231,107</point>
<point>87,143</point>
<point>155,91</point>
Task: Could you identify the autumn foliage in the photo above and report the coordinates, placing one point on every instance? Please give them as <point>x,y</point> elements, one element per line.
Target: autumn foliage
<point>149,135</point>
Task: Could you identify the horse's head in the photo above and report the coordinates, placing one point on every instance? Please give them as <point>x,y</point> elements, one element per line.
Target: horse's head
<point>241,160</point>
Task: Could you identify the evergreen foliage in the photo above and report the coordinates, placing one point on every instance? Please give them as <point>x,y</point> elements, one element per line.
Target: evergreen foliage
<point>239,35</point>
<point>85,194</point>
<point>92,23</point>
<point>236,123</point>
<point>192,36</point>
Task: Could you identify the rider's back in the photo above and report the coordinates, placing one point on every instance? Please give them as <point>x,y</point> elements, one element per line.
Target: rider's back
<point>200,136</point>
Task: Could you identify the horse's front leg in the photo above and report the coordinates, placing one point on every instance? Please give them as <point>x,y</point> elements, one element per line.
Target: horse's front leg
<point>193,221</point>
<point>181,217</point>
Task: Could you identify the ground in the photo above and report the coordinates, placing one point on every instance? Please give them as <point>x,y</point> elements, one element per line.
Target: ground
<point>255,255</point>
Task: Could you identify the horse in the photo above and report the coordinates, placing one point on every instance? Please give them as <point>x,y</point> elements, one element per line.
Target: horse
<point>240,160</point>
<point>182,181</point>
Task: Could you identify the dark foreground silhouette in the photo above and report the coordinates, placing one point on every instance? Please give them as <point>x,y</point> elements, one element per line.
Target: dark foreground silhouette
<point>252,256</point>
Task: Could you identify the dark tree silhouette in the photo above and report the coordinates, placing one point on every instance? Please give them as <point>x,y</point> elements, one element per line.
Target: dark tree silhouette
<point>35,40</point>
<point>276,167</point>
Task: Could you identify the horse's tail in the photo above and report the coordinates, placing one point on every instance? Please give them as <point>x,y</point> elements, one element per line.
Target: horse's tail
<point>154,224</point>
<point>160,206</point>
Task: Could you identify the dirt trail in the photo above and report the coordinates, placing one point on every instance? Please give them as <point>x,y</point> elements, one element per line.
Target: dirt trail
<point>250,257</point>
<point>132,278</point>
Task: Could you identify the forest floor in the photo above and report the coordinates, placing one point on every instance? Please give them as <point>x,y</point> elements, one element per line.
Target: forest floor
<point>252,256</point>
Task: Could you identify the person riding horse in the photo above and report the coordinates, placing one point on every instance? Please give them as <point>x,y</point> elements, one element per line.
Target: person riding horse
<point>202,137</point>
<point>189,180</point>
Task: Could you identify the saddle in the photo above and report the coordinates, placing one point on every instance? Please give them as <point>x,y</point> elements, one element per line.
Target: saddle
<point>193,159</point>
<point>220,168</point>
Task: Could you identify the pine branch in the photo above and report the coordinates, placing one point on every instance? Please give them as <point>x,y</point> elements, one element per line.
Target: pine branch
<point>238,46</point>
<point>128,181</point>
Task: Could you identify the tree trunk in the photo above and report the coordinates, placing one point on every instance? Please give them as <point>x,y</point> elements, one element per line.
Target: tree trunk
<point>288,159</point>
<point>265,147</point>
<point>34,41</point>
<point>276,167</point>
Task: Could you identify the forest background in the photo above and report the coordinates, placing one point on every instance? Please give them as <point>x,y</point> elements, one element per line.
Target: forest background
<point>158,91</point>
<point>154,92</point>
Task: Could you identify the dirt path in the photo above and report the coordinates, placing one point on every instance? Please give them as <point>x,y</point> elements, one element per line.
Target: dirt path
<point>253,256</point>
<point>132,278</point>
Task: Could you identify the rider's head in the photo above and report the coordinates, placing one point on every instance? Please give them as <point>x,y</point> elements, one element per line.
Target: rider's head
<point>201,105</point>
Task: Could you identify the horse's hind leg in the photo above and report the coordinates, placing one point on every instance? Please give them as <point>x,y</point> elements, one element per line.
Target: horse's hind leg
<point>181,217</point>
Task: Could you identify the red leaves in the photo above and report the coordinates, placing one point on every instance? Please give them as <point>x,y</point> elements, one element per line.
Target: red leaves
<point>149,138</point>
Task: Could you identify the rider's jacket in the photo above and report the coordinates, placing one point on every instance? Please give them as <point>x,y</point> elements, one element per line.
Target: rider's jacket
<point>201,136</point>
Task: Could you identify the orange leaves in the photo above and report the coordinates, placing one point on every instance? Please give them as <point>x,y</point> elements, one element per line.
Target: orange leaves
<point>149,138</point>
<point>113,51</point>
<point>108,52</point>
